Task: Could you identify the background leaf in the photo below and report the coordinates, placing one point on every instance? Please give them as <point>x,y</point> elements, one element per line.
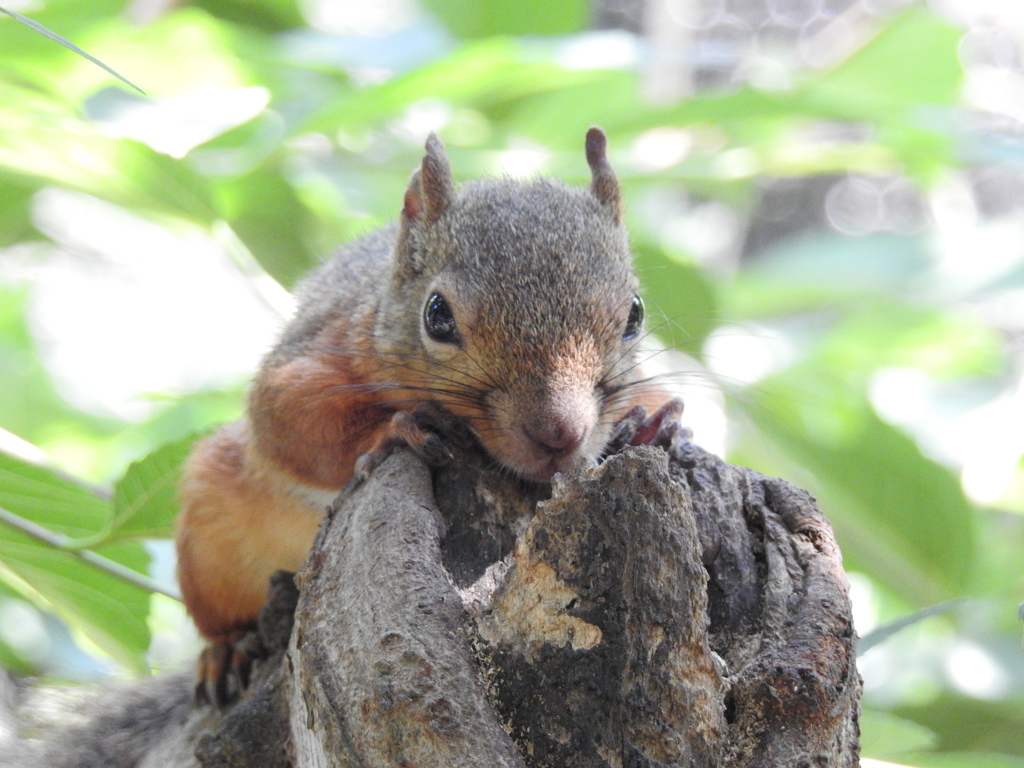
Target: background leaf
<point>530,17</point>
<point>111,612</point>
<point>146,498</point>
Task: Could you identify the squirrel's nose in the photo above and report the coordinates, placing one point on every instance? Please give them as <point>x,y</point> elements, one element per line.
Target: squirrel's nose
<point>556,436</point>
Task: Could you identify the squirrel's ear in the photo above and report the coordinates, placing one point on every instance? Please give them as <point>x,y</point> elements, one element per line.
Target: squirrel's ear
<point>431,187</point>
<point>605,184</point>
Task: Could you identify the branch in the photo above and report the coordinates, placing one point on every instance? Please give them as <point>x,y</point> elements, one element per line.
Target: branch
<point>67,544</point>
<point>657,610</point>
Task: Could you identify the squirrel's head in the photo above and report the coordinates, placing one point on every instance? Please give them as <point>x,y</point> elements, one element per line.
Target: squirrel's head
<point>528,308</point>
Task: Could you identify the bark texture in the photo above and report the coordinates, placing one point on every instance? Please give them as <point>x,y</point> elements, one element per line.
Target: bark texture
<point>658,610</point>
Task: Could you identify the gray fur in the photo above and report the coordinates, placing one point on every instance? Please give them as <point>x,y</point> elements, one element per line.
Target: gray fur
<point>138,724</point>
<point>541,262</point>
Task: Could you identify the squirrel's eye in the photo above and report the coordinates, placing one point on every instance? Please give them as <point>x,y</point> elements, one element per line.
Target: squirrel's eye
<point>439,321</point>
<point>635,320</point>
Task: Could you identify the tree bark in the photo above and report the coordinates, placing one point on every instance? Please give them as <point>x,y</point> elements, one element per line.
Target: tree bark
<point>657,610</point>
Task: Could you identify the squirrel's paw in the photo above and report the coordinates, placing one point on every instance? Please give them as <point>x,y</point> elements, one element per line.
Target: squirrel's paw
<point>225,668</point>
<point>662,429</point>
<point>222,674</point>
<point>421,431</point>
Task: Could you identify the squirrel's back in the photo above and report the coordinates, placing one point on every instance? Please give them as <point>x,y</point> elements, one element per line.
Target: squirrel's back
<point>354,273</point>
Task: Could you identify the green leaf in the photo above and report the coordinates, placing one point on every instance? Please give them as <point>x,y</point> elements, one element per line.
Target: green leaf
<point>35,25</point>
<point>481,18</point>
<point>50,500</point>
<point>203,51</point>
<point>15,213</point>
<point>771,124</point>
<point>667,284</point>
<point>146,498</point>
<point>272,221</point>
<point>109,611</point>
<point>559,117</point>
<point>73,18</point>
<point>898,81</point>
<point>890,628</point>
<point>490,71</point>
<point>899,516</point>
<point>883,734</point>
<point>973,725</point>
<point>911,63</point>
<point>962,760</point>
<point>50,147</point>
<point>267,15</point>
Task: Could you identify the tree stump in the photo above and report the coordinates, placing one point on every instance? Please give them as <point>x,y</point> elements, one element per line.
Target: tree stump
<point>657,610</point>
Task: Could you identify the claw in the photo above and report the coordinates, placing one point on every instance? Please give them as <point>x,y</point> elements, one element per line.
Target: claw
<point>627,426</point>
<point>661,429</point>
<point>222,674</point>
<point>419,431</point>
<point>661,425</point>
<point>432,417</point>
<point>225,668</point>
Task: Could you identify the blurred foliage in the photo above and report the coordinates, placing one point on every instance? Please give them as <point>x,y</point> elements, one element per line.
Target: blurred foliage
<point>306,138</point>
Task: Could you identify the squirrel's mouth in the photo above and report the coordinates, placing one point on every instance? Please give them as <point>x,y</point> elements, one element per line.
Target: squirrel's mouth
<point>541,466</point>
<point>542,440</point>
<point>542,473</point>
<point>538,474</point>
<point>555,466</point>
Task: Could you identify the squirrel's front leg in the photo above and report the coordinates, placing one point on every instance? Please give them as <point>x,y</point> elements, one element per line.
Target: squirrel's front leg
<point>237,527</point>
<point>426,430</point>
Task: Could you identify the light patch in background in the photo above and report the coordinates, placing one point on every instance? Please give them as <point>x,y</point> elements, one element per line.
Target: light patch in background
<point>22,628</point>
<point>24,6</point>
<point>376,19</point>
<point>975,672</point>
<point>738,163</point>
<point>996,90</point>
<point>660,148</point>
<point>421,119</point>
<point>972,252</point>
<point>900,395</point>
<point>125,308</point>
<point>906,668</point>
<point>973,258</point>
<point>864,205</point>
<point>522,159</point>
<point>764,72</point>
<point>709,232</point>
<point>865,602</point>
<point>989,470</point>
<point>854,206</point>
<point>1006,11</point>
<point>13,445</point>
<point>176,124</point>
<point>746,355</point>
<point>612,49</point>
<point>175,641</point>
<point>974,440</point>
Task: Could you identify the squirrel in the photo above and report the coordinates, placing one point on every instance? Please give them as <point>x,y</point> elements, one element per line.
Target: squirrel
<point>510,305</point>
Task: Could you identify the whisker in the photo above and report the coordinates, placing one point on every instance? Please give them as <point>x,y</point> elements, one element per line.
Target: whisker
<point>483,381</point>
